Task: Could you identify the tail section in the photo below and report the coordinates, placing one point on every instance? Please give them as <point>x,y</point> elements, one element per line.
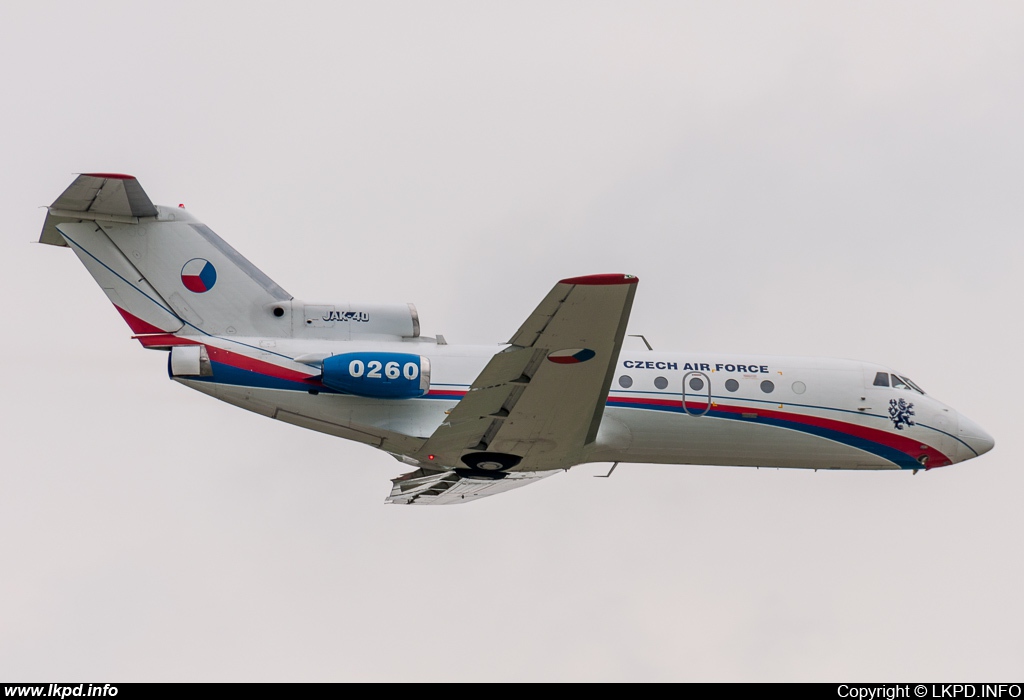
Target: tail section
<point>163,270</point>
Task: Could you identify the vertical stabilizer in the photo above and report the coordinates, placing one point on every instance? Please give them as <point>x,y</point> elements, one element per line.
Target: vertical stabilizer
<point>165,271</point>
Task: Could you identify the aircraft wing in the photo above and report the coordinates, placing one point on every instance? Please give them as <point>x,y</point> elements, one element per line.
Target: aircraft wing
<point>428,487</point>
<point>539,402</point>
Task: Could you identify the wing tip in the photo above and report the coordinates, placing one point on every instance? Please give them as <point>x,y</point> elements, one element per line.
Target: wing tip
<point>601,279</point>
<point>111,176</point>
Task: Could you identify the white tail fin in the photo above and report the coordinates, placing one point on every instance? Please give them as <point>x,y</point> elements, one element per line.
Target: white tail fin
<point>162,269</point>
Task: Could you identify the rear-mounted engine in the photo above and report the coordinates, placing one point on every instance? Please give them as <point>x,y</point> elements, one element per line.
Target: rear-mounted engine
<point>379,375</point>
<point>400,320</point>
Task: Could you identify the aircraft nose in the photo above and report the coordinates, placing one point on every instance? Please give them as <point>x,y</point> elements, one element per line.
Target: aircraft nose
<point>978,440</point>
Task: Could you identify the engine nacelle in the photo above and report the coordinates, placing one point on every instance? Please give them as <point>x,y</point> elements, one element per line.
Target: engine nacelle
<point>378,375</point>
<point>355,319</point>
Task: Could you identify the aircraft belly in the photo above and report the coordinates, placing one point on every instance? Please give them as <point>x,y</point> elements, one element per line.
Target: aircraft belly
<point>243,397</point>
<point>678,438</point>
<point>398,426</point>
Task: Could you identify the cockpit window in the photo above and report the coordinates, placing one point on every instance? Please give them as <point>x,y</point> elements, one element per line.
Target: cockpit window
<point>904,383</point>
<point>913,386</point>
<point>898,382</point>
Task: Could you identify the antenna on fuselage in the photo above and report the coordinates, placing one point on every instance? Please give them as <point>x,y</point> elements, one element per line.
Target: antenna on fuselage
<point>643,339</point>
<point>605,476</point>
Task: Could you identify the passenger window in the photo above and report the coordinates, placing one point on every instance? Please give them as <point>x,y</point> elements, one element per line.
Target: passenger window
<point>767,386</point>
<point>625,381</point>
<point>696,383</point>
<point>732,384</point>
<point>882,379</point>
<point>660,382</point>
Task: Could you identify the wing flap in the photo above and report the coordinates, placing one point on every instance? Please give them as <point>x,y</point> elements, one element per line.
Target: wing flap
<point>486,402</point>
<point>531,329</point>
<point>426,487</point>
<point>453,439</point>
<point>510,365</point>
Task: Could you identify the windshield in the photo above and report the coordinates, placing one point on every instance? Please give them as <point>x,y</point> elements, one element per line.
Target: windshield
<point>899,382</point>
<point>896,382</point>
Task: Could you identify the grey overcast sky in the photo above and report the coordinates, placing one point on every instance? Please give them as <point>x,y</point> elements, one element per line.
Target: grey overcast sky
<point>818,178</point>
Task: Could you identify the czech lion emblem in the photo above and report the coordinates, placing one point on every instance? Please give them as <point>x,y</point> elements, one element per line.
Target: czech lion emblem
<point>900,413</point>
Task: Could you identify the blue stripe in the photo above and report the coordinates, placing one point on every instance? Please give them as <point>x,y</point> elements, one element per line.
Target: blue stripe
<point>892,454</point>
<point>787,403</point>
<point>895,456</point>
<point>234,376</point>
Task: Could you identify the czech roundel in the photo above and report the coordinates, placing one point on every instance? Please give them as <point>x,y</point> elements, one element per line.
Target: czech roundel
<point>198,275</point>
<point>571,357</point>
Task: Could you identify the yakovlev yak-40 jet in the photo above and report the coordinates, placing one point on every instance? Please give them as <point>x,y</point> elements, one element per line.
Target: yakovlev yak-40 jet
<point>469,421</point>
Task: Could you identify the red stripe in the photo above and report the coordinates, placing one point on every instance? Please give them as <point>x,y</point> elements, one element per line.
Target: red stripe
<point>152,337</point>
<point>601,279</point>
<point>654,402</point>
<point>454,393</point>
<point>163,340</point>
<point>904,444</point>
<point>226,357</point>
<point>251,364</point>
<point>137,324</point>
<point>110,176</point>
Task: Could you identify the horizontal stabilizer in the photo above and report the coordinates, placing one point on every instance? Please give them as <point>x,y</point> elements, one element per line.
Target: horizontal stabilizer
<point>103,196</point>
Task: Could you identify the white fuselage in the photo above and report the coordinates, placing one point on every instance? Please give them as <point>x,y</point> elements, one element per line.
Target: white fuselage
<point>673,408</point>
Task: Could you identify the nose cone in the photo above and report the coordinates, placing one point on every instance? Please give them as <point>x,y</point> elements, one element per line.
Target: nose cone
<point>978,442</point>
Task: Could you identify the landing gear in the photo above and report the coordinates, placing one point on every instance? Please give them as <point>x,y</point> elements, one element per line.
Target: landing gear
<point>489,465</point>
